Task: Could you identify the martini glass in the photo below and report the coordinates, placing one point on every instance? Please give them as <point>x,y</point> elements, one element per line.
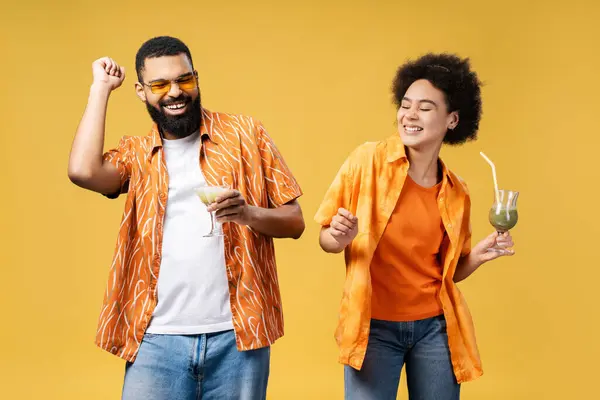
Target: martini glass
<point>208,194</point>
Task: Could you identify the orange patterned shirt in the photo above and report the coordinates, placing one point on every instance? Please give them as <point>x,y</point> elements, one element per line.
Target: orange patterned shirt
<point>369,185</point>
<point>236,151</point>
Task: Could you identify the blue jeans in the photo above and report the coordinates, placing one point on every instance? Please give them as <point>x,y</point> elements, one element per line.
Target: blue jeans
<point>194,367</point>
<point>422,345</point>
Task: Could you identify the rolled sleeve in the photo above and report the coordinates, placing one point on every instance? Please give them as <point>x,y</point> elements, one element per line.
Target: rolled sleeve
<point>120,157</point>
<point>337,196</point>
<point>466,249</point>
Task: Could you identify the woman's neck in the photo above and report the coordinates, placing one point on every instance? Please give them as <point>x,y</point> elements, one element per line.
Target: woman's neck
<point>424,167</point>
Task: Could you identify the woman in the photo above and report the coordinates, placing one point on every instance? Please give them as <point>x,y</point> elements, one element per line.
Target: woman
<point>403,219</point>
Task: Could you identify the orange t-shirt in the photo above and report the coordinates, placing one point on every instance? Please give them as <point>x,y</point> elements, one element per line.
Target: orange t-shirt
<point>406,272</point>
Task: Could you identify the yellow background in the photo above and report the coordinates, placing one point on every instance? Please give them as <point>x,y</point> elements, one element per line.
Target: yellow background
<point>318,74</point>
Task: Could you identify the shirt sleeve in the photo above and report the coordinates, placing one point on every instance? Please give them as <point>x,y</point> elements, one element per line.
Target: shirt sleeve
<point>281,185</point>
<point>339,194</point>
<point>466,250</point>
<point>120,157</point>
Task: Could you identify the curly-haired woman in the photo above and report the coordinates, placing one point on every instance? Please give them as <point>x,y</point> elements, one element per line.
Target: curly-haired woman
<point>402,218</point>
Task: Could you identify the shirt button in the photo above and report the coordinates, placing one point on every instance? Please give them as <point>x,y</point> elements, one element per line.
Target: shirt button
<point>162,195</point>
<point>159,226</point>
<point>449,225</point>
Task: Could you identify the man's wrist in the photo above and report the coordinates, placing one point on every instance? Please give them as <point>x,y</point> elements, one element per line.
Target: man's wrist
<point>252,215</point>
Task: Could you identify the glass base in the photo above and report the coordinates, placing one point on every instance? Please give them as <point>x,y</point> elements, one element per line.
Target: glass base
<point>501,250</point>
<point>213,234</point>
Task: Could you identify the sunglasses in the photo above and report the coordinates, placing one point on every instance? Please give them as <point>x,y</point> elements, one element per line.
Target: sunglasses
<point>186,82</point>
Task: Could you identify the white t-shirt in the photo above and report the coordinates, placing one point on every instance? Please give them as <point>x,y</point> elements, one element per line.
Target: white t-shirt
<point>193,294</point>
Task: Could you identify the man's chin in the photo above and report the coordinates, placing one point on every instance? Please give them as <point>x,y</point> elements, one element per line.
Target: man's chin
<point>179,126</point>
<point>175,123</point>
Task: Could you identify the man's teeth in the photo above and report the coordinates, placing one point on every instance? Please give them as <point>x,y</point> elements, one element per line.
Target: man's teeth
<point>175,106</point>
<point>413,128</point>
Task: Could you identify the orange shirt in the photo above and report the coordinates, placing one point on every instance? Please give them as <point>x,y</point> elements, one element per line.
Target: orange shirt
<point>236,151</point>
<point>405,271</point>
<point>369,184</point>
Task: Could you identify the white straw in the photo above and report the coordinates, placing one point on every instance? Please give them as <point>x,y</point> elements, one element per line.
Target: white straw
<point>494,174</point>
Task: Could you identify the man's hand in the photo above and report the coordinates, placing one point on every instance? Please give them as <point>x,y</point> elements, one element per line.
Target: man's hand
<point>107,73</point>
<point>285,221</point>
<point>231,207</point>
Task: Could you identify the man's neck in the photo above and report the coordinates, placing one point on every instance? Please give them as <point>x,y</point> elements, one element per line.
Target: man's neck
<point>169,136</point>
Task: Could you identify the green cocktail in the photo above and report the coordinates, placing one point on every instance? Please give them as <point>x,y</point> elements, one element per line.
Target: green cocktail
<point>503,219</point>
<point>208,194</point>
<point>503,215</point>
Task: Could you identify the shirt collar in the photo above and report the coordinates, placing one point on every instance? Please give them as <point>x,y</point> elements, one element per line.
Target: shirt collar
<point>206,130</point>
<point>395,149</point>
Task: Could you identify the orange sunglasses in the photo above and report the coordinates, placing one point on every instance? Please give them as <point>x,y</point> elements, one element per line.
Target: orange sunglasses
<point>186,82</point>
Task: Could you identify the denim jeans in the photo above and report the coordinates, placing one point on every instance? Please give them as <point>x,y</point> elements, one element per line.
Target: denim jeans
<point>194,367</point>
<point>421,345</point>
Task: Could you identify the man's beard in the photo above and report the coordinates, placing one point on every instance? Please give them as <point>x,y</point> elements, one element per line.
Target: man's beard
<point>179,126</point>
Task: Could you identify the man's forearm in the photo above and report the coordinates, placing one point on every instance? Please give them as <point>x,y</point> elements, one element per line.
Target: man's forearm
<point>86,167</point>
<point>86,151</point>
<point>285,221</point>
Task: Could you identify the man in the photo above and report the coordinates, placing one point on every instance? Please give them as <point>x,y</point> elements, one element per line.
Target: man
<point>194,316</point>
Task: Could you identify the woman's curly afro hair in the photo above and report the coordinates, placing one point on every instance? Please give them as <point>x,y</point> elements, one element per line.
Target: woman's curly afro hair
<point>461,86</point>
